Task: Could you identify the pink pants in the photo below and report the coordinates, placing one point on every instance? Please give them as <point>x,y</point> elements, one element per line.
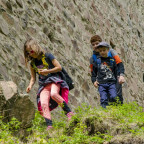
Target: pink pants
<point>50,90</point>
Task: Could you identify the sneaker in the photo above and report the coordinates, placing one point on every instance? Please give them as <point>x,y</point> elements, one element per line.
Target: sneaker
<point>49,127</point>
<point>69,115</point>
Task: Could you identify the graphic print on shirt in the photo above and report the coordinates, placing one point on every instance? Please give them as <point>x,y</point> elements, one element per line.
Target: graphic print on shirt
<point>40,66</point>
<point>106,70</point>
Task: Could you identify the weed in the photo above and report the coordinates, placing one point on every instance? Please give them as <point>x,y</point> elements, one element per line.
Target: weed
<point>117,123</point>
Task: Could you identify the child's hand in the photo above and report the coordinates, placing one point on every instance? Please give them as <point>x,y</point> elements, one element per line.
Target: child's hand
<point>43,72</point>
<point>96,84</point>
<point>28,89</point>
<point>121,79</point>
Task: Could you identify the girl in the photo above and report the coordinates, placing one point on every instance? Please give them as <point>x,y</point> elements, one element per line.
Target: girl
<point>52,89</point>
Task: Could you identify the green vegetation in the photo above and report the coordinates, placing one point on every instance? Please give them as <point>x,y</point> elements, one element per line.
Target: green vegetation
<point>116,124</point>
<point>6,130</point>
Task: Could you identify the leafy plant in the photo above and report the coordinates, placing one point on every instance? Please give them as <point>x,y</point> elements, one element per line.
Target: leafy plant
<point>88,126</point>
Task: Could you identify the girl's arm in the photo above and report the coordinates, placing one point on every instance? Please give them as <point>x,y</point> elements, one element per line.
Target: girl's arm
<point>33,76</point>
<point>57,68</point>
<point>32,80</point>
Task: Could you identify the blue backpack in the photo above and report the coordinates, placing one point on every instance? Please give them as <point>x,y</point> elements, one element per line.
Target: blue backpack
<point>95,57</point>
<point>65,76</point>
<point>98,60</point>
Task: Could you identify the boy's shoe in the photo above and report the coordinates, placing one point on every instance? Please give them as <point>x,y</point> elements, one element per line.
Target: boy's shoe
<point>103,106</point>
<point>69,115</point>
<point>49,127</point>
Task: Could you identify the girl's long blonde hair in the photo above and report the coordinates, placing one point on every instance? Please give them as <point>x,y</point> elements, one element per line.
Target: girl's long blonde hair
<point>35,47</point>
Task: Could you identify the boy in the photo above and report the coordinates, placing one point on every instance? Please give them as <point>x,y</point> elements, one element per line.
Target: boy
<point>104,75</point>
<point>95,40</point>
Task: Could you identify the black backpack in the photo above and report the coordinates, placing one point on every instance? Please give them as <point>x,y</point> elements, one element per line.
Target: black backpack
<point>65,76</point>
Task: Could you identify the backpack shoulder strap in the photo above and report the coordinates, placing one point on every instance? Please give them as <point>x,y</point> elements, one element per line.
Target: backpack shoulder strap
<point>98,60</point>
<point>111,61</point>
<point>109,54</point>
<point>94,57</point>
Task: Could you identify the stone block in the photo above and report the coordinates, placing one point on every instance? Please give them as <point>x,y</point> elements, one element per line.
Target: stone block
<point>4,29</point>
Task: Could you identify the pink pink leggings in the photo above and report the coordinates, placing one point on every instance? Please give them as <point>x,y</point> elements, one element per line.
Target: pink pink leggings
<point>50,90</point>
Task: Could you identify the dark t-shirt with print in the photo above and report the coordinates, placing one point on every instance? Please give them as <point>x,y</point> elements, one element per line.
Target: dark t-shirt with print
<point>49,57</point>
<point>39,64</point>
<point>105,72</point>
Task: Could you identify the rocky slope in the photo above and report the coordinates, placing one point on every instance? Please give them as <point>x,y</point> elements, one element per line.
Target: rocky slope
<point>64,28</point>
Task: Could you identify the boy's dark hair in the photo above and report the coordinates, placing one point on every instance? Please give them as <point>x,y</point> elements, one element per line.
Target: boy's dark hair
<point>95,38</point>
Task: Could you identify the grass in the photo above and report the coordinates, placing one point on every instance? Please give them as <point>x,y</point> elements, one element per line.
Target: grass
<point>116,124</point>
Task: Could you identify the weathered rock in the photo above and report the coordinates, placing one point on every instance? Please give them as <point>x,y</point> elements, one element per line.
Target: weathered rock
<point>15,105</point>
<point>20,3</point>
<point>8,18</point>
<point>64,28</point>
<point>9,6</point>
<point>9,89</point>
<point>4,27</point>
<point>126,139</point>
<point>2,101</point>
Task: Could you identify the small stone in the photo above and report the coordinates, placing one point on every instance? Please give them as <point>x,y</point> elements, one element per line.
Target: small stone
<point>8,18</point>
<point>19,2</point>
<point>45,30</point>
<point>75,45</point>
<point>4,27</point>
<point>45,6</point>
<point>31,30</point>
<point>1,77</point>
<point>8,4</point>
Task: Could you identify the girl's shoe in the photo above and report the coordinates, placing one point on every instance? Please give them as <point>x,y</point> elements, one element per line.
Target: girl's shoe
<point>49,127</point>
<point>69,115</point>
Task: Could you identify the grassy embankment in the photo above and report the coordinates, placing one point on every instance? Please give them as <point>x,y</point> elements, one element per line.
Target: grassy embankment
<point>116,124</point>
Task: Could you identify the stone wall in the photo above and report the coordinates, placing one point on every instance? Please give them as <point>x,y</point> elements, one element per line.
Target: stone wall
<point>64,28</point>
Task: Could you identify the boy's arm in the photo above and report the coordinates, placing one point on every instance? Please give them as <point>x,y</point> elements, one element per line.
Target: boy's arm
<point>121,69</point>
<point>118,61</point>
<point>121,78</point>
<point>115,71</point>
<point>94,73</point>
<point>91,64</point>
